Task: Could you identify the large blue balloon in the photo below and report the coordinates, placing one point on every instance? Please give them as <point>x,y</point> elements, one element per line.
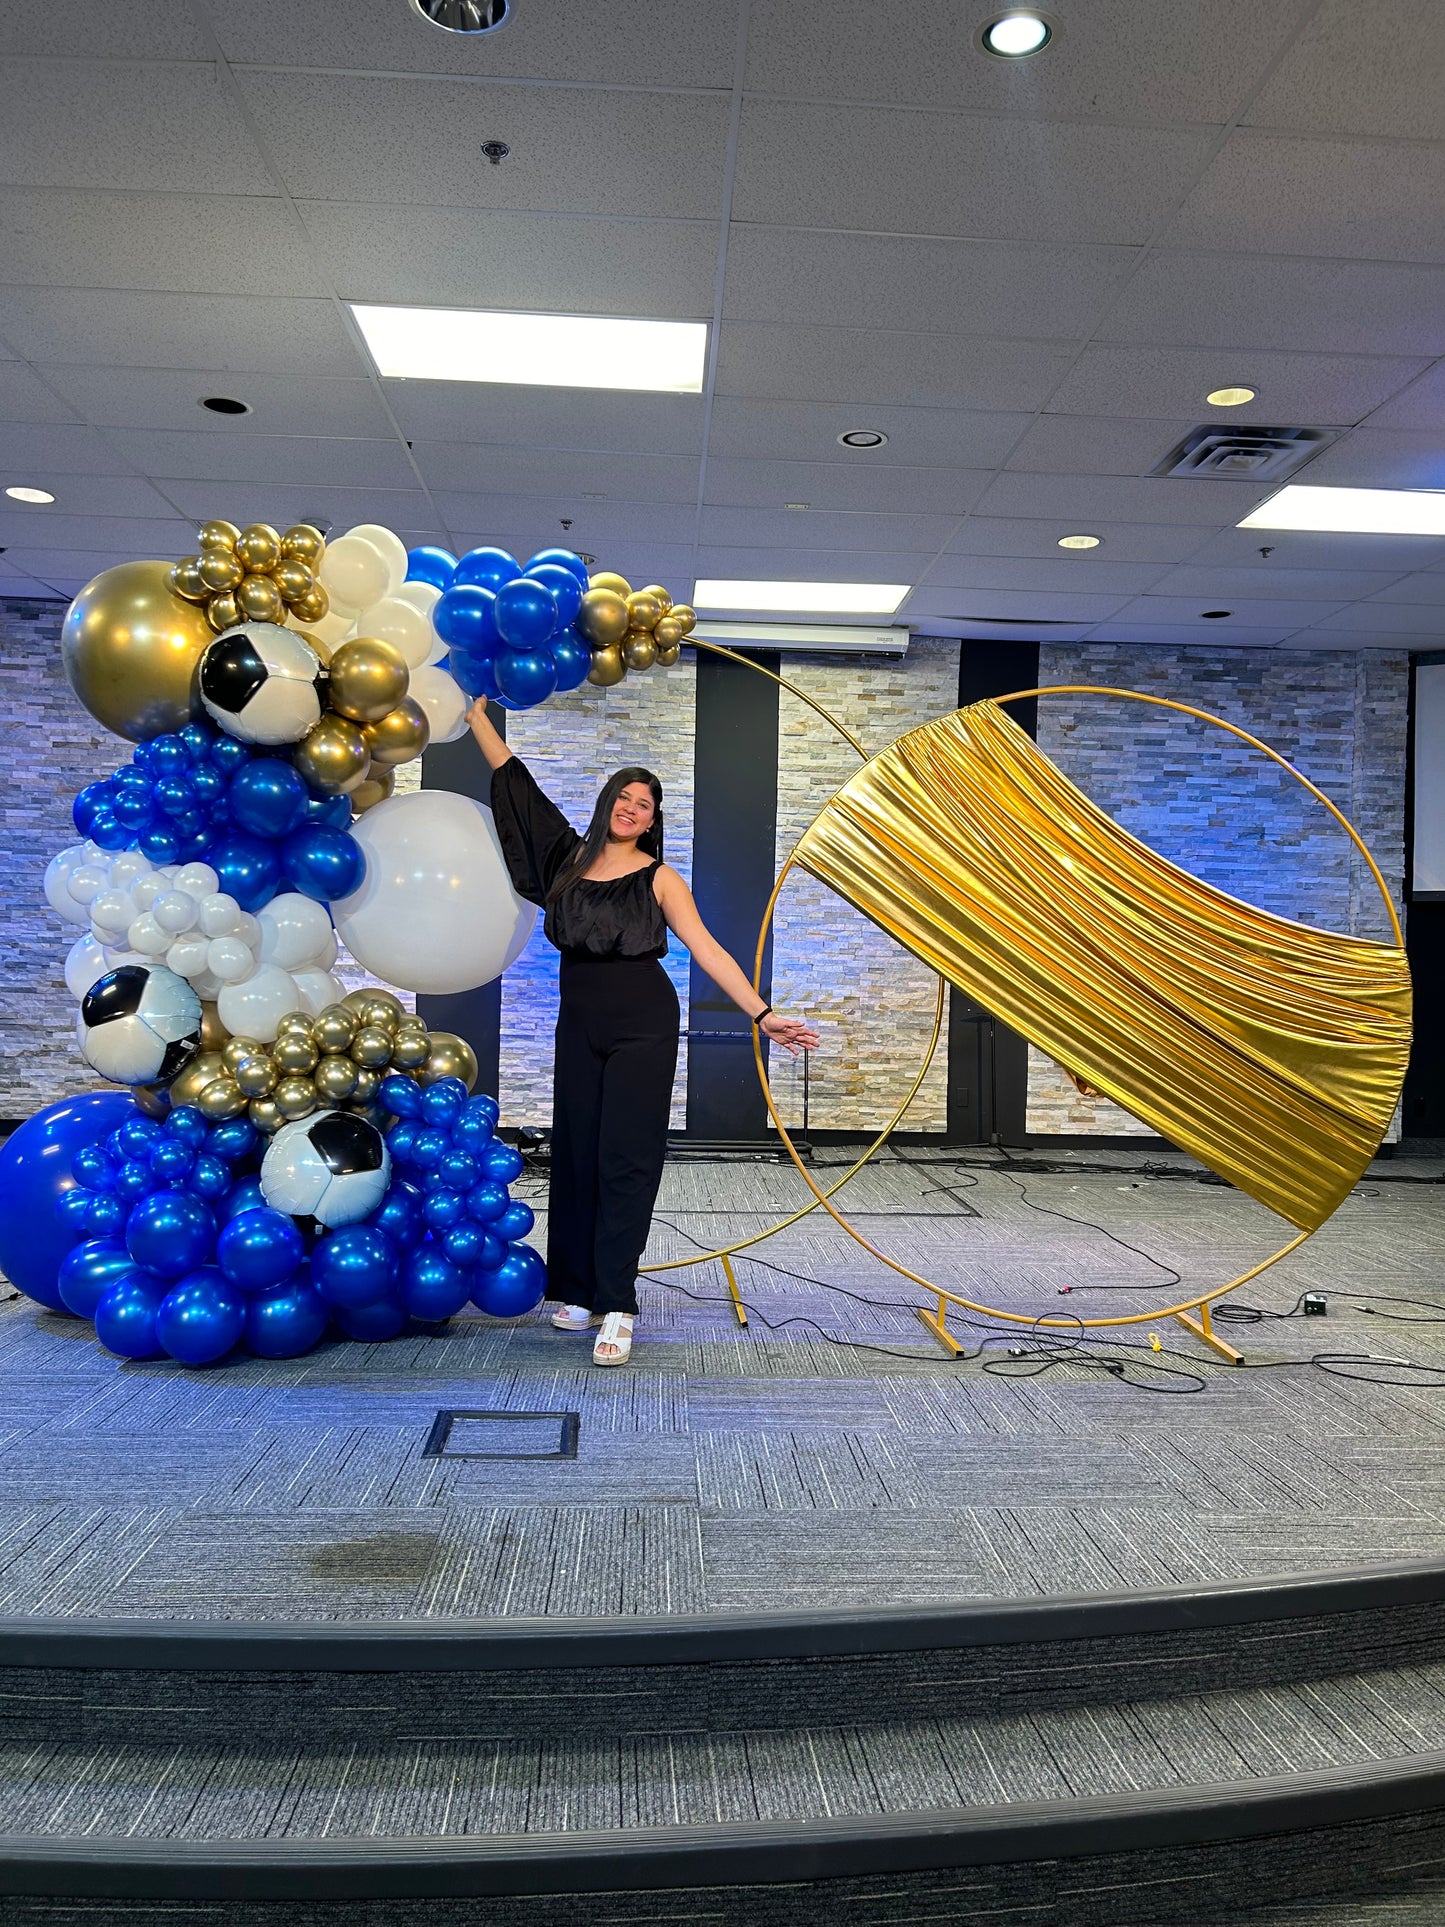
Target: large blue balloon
<point>170,1233</point>
<point>286,1323</point>
<point>573,659</point>
<point>125,1319</point>
<point>249,870</point>
<point>35,1175</point>
<point>433,1288</point>
<point>466,619</point>
<point>259,1250</point>
<point>354,1267</point>
<point>486,569</point>
<point>201,1318</point>
<point>268,798</point>
<point>323,863</point>
<point>526,613</point>
<point>371,1324</point>
<point>565,589</point>
<point>514,1287</point>
<point>431,564</point>
<point>559,558</point>
<point>526,678</point>
<point>89,1272</point>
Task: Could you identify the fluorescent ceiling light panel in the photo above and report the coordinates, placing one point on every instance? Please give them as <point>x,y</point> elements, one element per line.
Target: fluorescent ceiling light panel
<point>1352,511</point>
<point>804,598</point>
<point>534,350</point>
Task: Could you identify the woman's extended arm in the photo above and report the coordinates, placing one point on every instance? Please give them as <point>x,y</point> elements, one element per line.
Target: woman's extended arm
<point>489,742</point>
<point>688,927</point>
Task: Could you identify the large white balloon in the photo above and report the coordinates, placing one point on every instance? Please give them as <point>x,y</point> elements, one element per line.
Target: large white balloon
<point>443,699</point>
<point>254,1008</point>
<point>437,912</point>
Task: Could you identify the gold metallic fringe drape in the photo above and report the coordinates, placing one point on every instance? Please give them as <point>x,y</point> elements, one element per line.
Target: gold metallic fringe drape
<point>1273,1051</point>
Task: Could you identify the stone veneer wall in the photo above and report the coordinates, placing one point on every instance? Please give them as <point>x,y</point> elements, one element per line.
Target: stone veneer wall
<point>1211,804</point>
<point>572,745</point>
<point>873,1002</point>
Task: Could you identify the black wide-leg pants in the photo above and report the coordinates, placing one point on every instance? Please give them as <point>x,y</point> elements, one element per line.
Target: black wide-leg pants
<point>616,1058</point>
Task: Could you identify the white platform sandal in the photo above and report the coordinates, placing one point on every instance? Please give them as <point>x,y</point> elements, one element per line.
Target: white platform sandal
<point>572,1318</point>
<point>616,1334</point>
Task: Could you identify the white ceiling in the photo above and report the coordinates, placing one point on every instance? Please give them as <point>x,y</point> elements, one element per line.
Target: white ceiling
<point>1027,275</point>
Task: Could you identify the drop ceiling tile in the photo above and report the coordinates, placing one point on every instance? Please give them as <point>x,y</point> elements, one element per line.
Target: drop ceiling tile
<point>1096,444</point>
<point>1214,588</point>
<point>649,561</point>
<point>1077,574</point>
<point>202,457</point>
<point>472,468</point>
<point>1122,541</point>
<point>954,287</point>
<point>809,431</point>
<point>1026,605</point>
<point>585,151</point>
<point>844,485</point>
<point>335,508</point>
<point>1313,550</point>
<point>597,527</point>
<point>168,127</point>
<point>27,588</point>
<point>1319,389</point>
<point>804,565</point>
<point>1023,633</point>
<point>1382,458</point>
<point>1425,585</point>
<point>783,528</point>
<point>97,495</point>
<point>492,257</point>
<point>665,44</point>
<point>164,398</point>
<point>557,418</point>
<point>203,244</point>
<point>1128,59</point>
<point>1193,635</point>
<point>1244,612</point>
<point>131,535</point>
<point>68,565</point>
<point>866,366</point>
<point>1245,302</point>
<point>1424,620</point>
<point>808,165</point>
<point>1360,70</point>
<point>115,328</point>
<point>1086,498</point>
<point>26,397</point>
<point>61,448</point>
<point>1419,406</point>
<point>1365,638</point>
<point>140,30</point>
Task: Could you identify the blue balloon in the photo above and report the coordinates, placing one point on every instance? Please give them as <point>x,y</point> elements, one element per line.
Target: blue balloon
<point>249,870</point>
<point>486,569</point>
<point>210,1178</point>
<point>444,1208</point>
<point>487,1201</point>
<point>429,563</point>
<point>160,845</point>
<point>246,1196</point>
<point>73,1210</point>
<point>428,1148</point>
<point>138,1135</point>
<point>174,795</point>
<point>526,679</point>
<point>105,1215</point>
<point>526,613</point>
<point>231,1139</point>
<point>443,1101</point>
<point>459,1170</point>
<point>573,659</point>
<point>472,1132</point>
<point>268,797</point>
<point>559,558</point>
<point>516,1221</point>
<point>125,1319</point>
<point>399,1216</point>
<point>109,832</point>
<point>399,1095</point>
<point>201,1318</point>
<point>502,1161</point>
<point>93,1168</point>
<point>169,755</point>
<point>229,755</point>
<point>400,1139</point>
<point>323,863</point>
<point>259,1250</point>
<point>565,589</point>
<point>190,1125</point>
<point>354,1267</point>
<point>36,1174</point>
<point>197,739</point>
<point>90,1270</point>
<point>372,1324</point>
<point>484,1105</point>
<point>465,618</point>
<point>333,812</point>
<point>516,1286</point>
<point>170,1233</point>
<point>134,1180</point>
<point>472,673</point>
<point>286,1323</point>
<point>433,1288</point>
<point>90,801</point>
<point>172,1161</point>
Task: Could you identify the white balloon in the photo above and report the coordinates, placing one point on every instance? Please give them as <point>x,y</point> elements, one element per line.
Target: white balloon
<point>147,936</point>
<point>148,890</point>
<point>293,928</point>
<point>175,911</point>
<point>117,954</point>
<point>217,915</point>
<point>248,930</point>
<point>188,957</point>
<point>86,882</point>
<point>354,573</point>
<point>206,987</point>
<point>443,699</point>
<point>254,1008</point>
<point>58,873</point>
<point>325,953</point>
<point>421,596</point>
<point>196,879</point>
<point>114,911</point>
<point>84,962</point>
<point>128,868</point>
<point>228,960</point>
<point>331,628</point>
<point>437,911</point>
<point>389,546</point>
<point>394,621</point>
<point>317,989</point>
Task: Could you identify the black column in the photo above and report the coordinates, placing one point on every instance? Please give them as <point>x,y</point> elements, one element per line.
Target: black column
<point>987,1062</point>
<point>475,1015</point>
<point>734,861</point>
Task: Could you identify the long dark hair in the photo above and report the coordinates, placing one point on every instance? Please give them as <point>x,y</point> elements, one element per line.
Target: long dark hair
<point>595,841</point>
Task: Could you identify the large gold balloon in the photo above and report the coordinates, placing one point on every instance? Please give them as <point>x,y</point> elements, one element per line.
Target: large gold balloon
<point>374,790</point>
<point>354,999</point>
<point>259,600</point>
<point>602,618</point>
<point>220,568</point>
<point>666,631</point>
<point>385,1008</point>
<point>659,596</point>
<point>680,612</point>
<point>259,548</point>
<point>333,757</point>
<point>218,535</point>
<point>402,733</point>
<point>186,580</point>
<point>607,667</point>
<point>223,612</point>
<point>335,1079</point>
<point>639,651</point>
<point>368,679</point>
<point>643,609</point>
<point>616,584</point>
<point>304,543</point>
<point>334,1028</point>
<point>130,648</point>
<point>451,1056</point>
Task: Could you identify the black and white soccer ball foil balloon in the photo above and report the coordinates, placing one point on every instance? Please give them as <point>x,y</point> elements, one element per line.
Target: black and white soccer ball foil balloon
<point>332,1166</point>
<point>140,1024</point>
<point>262,684</point>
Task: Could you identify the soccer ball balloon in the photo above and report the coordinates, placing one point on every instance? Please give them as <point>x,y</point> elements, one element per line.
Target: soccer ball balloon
<point>140,1024</point>
<point>261,683</point>
<point>332,1166</point>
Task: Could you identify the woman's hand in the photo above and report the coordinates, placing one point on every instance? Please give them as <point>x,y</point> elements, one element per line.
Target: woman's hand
<point>482,727</point>
<point>477,712</point>
<point>791,1032</point>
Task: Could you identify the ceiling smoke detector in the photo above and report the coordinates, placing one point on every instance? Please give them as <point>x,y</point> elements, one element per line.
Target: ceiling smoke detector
<point>464,16</point>
<point>1245,454</point>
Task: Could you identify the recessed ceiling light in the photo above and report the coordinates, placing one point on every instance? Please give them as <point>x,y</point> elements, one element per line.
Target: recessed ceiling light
<point>1213,615</point>
<point>1352,511</point>
<point>225,405</point>
<point>1014,36</point>
<point>464,16</point>
<point>1229,397</point>
<point>1080,541</point>
<point>534,350</point>
<point>816,598</point>
<point>863,438</point>
<point>29,495</point>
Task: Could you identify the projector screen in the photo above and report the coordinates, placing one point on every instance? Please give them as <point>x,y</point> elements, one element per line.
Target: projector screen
<point>1427,870</point>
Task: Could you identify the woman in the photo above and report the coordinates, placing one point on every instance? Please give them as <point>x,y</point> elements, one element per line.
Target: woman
<point>610,902</point>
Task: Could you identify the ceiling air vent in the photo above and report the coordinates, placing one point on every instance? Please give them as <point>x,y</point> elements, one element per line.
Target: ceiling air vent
<point>1245,454</point>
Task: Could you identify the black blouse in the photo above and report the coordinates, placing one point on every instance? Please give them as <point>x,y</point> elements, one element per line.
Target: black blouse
<point>619,917</point>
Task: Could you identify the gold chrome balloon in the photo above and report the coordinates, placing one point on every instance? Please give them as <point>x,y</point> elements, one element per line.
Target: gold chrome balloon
<point>333,757</point>
<point>304,543</point>
<point>214,1035</point>
<point>639,651</point>
<point>354,999</point>
<point>617,585</point>
<point>402,733</point>
<point>659,596</point>
<point>293,1054</point>
<point>130,649</point>
<point>368,679</point>
<point>680,612</point>
<point>219,569</point>
<point>294,1020</point>
<point>204,1068</point>
<point>292,579</point>
<point>186,580</point>
<point>221,1099</point>
<point>371,1046</point>
<point>411,1050</point>
<point>259,600</point>
<point>335,1079</point>
<point>451,1056</point>
<point>368,1083</point>
<point>667,654</point>
<point>384,1009</point>
<point>643,609</point>
<point>667,631</point>
<point>334,1028</point>
<point>256,1076</point>
<point>602,619</point>
<point>294,1097</point>
<point>258,548</point>
<point>374,790</point>
<point>607,667</point>
<point>235,1052</point>
<point>312,605</point>
<point>264,1115</point>
<point>218,535</point>
<point>223,612</point>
